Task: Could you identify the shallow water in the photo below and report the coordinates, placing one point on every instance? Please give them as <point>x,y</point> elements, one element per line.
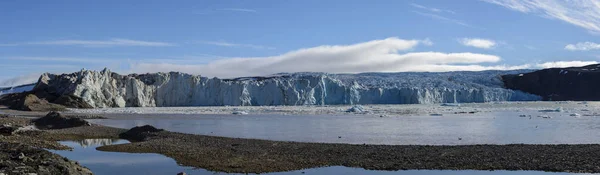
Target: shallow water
<point>118,163</point>
<point>113,163</point>
<point>450,129</point>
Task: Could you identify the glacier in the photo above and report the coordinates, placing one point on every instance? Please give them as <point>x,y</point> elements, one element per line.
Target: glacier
<point>104,88</point>
<point>16,89</point>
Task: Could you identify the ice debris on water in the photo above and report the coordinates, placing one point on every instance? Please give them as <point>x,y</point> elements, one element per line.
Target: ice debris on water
<point>239,113</point>
<point>575,115</point>
<point>451,104</point>
<point>552,110</point>
<point>544,116</point>
<point>356,109</point>
<point>436,114</point>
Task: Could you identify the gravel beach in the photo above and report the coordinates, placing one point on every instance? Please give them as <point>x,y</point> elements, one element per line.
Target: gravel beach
<point>261,156</point>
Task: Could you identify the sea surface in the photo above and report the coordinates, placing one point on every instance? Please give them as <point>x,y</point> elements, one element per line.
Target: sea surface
<point>505,127</point>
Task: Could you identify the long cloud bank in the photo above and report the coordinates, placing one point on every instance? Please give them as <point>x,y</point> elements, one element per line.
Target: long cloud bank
<point>387,55</point>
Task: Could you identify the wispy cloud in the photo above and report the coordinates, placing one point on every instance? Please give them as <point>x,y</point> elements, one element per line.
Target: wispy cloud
<point>238,10</point>
<point>431,9</point>
<point>61,59</point>
<point>115,42</point>
<point>372,56</point>
<point>477,42</point>
<point>583,46</point>
<point>445,19</point>
<point>530,47</point>
<point>229,44</point>
<point>582,13</point>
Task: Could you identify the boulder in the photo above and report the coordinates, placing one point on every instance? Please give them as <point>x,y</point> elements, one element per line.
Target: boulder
<point>55,120</point>
<point>28,102</point>
<point>356,109</point>
<point>7,130</point>
<point>140,133</point>
<point>71,101</point>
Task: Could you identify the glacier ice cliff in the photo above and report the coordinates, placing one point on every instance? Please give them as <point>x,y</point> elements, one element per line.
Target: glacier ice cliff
<point>107,89</point>
<point>16,89</point>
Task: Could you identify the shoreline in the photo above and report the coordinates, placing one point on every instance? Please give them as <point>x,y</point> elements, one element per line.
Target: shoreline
<point>238,155</point>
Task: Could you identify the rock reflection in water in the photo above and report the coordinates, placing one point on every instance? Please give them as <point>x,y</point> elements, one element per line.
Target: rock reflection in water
<point>96,142</point>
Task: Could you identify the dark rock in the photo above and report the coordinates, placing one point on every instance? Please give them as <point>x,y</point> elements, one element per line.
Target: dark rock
<point>28,102</point>
<point>181,173</point>
<point>559,84</point>
<point>55,120</point>
<point>71,101</point>
<point>140,133</point>
<point>7,130</point>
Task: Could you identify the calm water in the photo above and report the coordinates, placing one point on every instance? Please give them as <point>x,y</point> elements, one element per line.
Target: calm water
<point>111,163</point>
<point>481,128</point>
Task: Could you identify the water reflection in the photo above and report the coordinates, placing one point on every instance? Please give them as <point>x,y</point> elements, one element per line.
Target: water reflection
<point>118,163</point>
<point>96,142</point>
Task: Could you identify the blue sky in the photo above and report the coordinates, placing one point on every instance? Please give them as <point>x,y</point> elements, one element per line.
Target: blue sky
<point>242,38</point>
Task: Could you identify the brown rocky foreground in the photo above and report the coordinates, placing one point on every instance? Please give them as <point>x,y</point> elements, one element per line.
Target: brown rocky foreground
<point>259,156</point>
<point>22,150</point>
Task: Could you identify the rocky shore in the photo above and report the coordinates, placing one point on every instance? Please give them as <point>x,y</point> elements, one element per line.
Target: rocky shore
<point>22,146</point>
<point>16,158</point>
<point>261,156</point>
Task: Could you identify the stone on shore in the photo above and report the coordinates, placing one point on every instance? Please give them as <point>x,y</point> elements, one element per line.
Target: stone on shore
<point>140,133</point>
<point>55,120</point>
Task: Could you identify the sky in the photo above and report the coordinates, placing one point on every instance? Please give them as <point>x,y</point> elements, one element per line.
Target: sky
<point>233,38</point>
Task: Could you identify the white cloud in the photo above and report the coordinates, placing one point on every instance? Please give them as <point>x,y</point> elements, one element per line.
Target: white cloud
<point>584,46</point>
<point>96,43</point>
<point>373,56</point>
<point>478,42</point>
<point>239,10</point>
<point>228,44</point>
<point>436,10</point>
<point>560,64</point>
<point>582,13</point>
<point>427,42</point>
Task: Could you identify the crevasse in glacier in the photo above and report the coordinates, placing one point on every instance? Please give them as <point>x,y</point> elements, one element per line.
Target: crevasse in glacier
<point>107,89</point>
